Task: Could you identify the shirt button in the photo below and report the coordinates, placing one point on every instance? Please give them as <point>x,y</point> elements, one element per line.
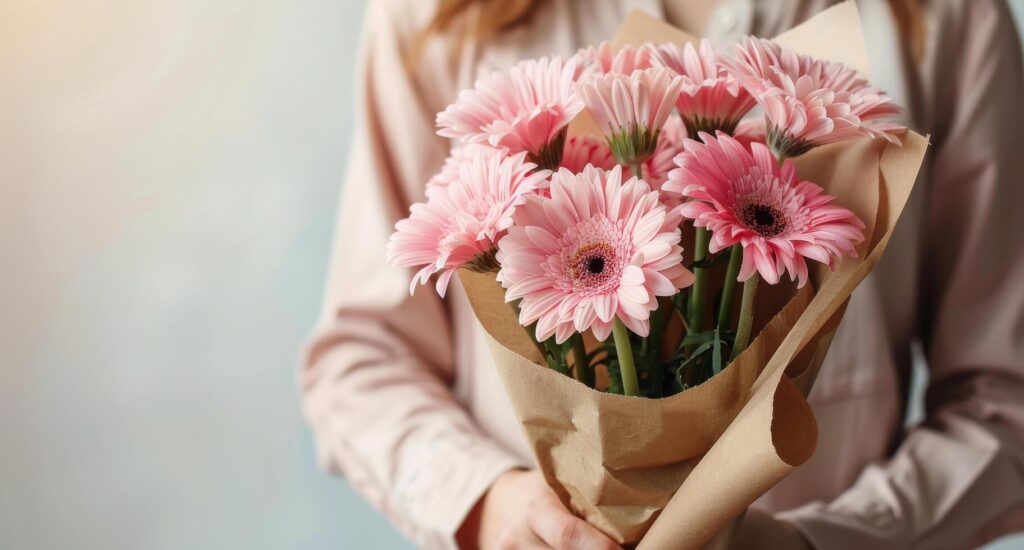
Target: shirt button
<point>727,19</point>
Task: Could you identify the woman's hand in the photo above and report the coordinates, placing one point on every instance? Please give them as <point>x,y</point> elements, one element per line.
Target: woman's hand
<point>520,511</point>
<point>761,530</point>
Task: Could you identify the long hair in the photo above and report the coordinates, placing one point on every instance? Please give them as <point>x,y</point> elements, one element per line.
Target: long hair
<point>496,16</point>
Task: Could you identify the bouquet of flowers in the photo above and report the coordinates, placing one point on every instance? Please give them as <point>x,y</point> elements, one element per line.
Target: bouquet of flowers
<point>659,238</point>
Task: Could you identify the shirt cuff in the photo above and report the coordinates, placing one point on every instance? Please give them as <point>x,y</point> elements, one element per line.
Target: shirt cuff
<point>436,496</point>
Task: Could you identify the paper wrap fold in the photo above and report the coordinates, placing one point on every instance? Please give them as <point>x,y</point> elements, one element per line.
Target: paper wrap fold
<point>673,472</point>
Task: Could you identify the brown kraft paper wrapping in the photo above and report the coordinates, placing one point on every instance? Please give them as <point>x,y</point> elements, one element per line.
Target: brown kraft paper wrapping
<point>672,473</point>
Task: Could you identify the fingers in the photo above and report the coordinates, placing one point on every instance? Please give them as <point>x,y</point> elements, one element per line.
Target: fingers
<point>564,531</point>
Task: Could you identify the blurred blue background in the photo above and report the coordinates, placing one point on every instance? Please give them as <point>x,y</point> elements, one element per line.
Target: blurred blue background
<point>167,195</point>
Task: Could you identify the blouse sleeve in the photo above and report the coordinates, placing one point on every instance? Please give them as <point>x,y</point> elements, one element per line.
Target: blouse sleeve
<point>958,478</point>
<point>377,375</point>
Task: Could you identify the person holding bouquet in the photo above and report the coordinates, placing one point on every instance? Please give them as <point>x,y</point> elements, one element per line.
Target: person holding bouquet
<point>400,390</point>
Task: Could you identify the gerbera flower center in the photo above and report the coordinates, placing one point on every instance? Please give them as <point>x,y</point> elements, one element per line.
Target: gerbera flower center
<point>764,219</point>
<point>591,257</point>
<point>587,265</point>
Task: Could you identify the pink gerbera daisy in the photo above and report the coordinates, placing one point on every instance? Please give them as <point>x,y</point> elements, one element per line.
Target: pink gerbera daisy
<point>597,250</point>
<point>810,102</point>
<point>524,109</point>
<point>710,98</point>
<point>744,197</point>
<point>450,169</point>
<point>584,149</point>
<point>624,61</point>
<point>460,223</point>
<point>631,109</point>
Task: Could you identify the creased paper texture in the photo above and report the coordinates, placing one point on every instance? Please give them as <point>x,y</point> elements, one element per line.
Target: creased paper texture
<point>674,472</point>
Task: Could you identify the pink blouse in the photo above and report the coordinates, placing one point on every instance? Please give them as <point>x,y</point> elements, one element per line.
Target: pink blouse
<point>402,395</point>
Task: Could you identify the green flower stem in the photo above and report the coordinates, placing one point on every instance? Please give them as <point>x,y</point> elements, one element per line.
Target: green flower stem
<point>582,371</point>
<point>630,385</point>
<point>746,314</point>
<point>698,292</point>
<point>653,342</point>
<point>729,288</point>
